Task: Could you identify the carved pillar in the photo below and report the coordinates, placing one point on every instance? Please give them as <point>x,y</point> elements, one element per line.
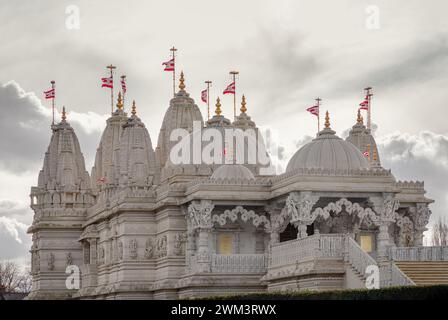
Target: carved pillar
<point>299,206</point>
<point>279,219</point>
<point>386,215</point>
<point>199,214</point>
<point>421,215</point>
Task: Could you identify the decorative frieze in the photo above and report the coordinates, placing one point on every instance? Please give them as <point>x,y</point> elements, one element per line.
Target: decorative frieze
<point>199,213</point>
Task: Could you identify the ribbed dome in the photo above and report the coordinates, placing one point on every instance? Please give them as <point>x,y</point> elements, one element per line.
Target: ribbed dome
<point>232,171</point>
<point>136,162</point>
<point>181,114</point>
<point>328,151</point>
<point>64,167</point>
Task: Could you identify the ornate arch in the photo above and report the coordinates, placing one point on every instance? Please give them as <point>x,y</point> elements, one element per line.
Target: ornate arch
<point>245,215</point>
<point>351,208</point>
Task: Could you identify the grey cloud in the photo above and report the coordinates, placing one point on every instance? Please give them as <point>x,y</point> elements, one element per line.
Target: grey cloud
<point>26,130</point>
<point>14,241</point>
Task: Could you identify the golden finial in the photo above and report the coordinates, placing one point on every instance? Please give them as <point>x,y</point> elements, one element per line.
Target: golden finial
<point>359,119</point>
<point>134,108</point>
<point>375,154</point>
<point>120,101</point>
<point>243,105</point>
<point>327,120</point>
<point>64,114</point>
<point>181,80</point>
<point>218,107</point>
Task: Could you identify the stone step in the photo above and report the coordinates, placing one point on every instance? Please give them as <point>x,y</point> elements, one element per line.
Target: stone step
<point>425,272</point>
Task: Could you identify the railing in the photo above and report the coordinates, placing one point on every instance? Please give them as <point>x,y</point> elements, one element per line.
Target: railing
<point>391,275</point>
<point>357,257</point>
<point>293,251</point>
<point>439,253</point>
<point>239,263</point>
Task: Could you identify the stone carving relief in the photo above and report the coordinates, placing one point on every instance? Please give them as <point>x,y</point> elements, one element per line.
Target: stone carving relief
<point>133,249</point>
<point>179,241</point>
<point>421,216</point>
<point>299,207</point>
<point>388,211</point>
<point>245,215</point>
<point>101,255</point>
<point>149,248</point>
<point>199,213</point>
<point>50,261</point>
<point>366,215</point>
<point>406,233</point>
<point>161,246</point>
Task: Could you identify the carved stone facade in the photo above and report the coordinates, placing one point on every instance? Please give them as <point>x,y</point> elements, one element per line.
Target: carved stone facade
<point>140,226</point>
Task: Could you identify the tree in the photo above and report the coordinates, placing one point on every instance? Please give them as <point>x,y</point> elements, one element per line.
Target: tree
<point>13,278</point>
<point>440,233</point>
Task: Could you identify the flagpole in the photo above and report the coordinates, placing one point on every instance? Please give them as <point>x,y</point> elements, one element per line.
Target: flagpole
<point>233,74</point>
<point>369,114</point>
<point>318,100</point>
<point>123,77</point>
<point>54,96</point>
<point>208,82</point>
<point>173,50</point>
<point>111,68</point>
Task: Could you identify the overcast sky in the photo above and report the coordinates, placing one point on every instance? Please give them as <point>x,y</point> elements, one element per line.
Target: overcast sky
<point>287,52</point>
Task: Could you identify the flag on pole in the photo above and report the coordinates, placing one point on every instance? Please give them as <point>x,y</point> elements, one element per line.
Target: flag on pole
<point>101,180</point>
<point>365,104</point>
<point>169,65</point>
<point>107,82</point>
<point>313,110</point>
<point>365,154</point>
<point>204,96</point>
<point>123,85</point>
<point>230,89</point>
<point>50,94</point>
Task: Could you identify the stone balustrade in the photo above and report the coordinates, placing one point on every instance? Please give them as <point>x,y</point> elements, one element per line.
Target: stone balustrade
<point>239,263</point>
<point>436,253</point>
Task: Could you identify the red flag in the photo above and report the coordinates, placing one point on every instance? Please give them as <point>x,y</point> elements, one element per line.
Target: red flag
<point>365,154</point>
<point>230,88</point>
<point>107,82</point>
<point>313,110</point>
<point>50,94</point>
<point>169,65</point>
<point>365,104</point>
<point>204,95</point>
<point>123,85</point>
<point>101,180</point>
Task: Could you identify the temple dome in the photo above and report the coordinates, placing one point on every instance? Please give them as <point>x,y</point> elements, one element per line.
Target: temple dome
<point>135,164</point>
<point>103,169</point>
<point>232,171</point>
<point>181,113</point>
<point>64,166</point>
<point>328,152</point>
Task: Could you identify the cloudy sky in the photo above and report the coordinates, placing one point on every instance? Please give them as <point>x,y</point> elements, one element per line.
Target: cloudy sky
<point>287,52</point>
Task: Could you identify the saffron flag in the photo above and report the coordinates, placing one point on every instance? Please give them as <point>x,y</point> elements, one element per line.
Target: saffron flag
<point>169,65</point>
<point>230,88</point>
<point>313,110</point>
<point>107,82</point>
<point>50,94</point>
<point>123,85</point>
<point>204,95</point>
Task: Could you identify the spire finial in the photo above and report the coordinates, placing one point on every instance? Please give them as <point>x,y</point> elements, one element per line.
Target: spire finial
<point>218,107</point>
<point>327,120</point>
<point>243,105</point>
<point>375,154</point>
<point>119,102</point>
<point>64,114</point>
<point>181,80</point>
<point>134,108</point>
<point>359,120</point>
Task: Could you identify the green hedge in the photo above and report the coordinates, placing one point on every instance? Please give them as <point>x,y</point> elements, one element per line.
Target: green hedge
<point>392,293</point>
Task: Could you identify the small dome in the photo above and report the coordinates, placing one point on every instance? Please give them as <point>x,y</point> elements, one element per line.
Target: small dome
<point>330,152</point>
<point>232,171</point>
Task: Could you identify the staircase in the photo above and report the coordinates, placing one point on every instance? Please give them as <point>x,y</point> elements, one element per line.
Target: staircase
<point>425,272</point>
